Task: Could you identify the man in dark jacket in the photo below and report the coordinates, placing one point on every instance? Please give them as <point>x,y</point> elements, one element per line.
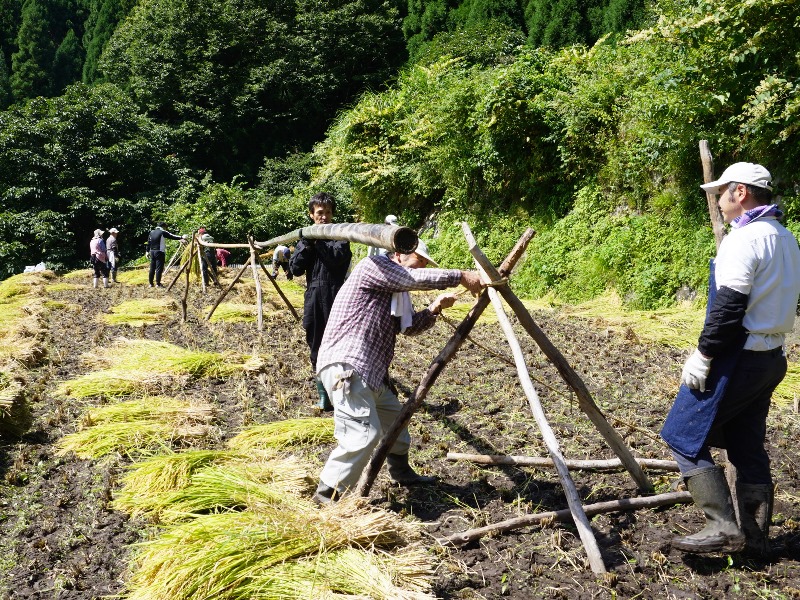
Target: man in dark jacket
<point>325,264</point>
<point>156,248</point>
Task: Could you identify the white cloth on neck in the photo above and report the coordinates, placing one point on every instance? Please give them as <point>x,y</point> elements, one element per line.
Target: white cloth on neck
<point>402,307</point>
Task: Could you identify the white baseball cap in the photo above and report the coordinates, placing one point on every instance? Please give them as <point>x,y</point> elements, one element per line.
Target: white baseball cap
<point>390,220</point>
<point>741,172</point>
<point>422,250</point>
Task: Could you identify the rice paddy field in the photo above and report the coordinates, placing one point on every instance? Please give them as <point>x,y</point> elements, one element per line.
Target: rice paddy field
<point>151,458</point>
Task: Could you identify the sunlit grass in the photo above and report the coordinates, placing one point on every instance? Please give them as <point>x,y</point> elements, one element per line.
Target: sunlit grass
<point>140,426</point>
<point>178,486</point>
<point>141,312</point>
<point>147,366</point>
<point>280,435</point>
<point>244,554</point>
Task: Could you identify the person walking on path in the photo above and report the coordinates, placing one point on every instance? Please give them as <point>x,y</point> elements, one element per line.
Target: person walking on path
<point>156,248</point>
<point>112,247</point>
<point>99,258</point>
<point>325,264</point>
<point>727,382</point>
<point>372,307</point>
<point>280,258</point>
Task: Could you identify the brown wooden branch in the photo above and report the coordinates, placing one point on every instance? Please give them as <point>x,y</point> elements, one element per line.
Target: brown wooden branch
<point>624,504</point>
<point>434,370</point>
<point>229,288</point>
<point>585,401</point>
<point>278,289</point>
<point>567,484</point>
<point>257,280</point>
<point>611,464</point>
<point>717,222</point>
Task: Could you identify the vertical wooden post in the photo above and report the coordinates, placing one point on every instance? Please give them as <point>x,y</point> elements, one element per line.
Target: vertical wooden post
<point>257,280</point>
<point>717,223</point>
<point>192,250</point>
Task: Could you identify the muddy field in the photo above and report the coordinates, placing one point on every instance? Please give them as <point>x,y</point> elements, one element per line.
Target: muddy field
<point>60,539</point>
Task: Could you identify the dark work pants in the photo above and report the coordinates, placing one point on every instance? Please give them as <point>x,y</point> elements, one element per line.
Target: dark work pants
<point>741,422</point>
<point>156,266</point>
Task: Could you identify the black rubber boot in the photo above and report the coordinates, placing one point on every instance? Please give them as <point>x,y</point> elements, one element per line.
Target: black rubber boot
<point>324,495</point>
<point>324,403</point>
<point>755,515</point>
<point>402,472</point>
<point>710,492</point>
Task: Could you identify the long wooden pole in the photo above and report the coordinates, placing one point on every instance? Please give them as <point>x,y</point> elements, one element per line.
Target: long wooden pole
<point>185,298</point>
<point>181,270</point>
<point>257,280</point>
<point>611,464</point>
<point>585,401</point>
<point>370,473</point>
<point>229,288</point>
<point>391,237</point>
<point>625,504</point>
<point>568,485</point>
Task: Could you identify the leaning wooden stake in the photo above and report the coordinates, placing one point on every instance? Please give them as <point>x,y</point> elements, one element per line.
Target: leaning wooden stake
<point>464,537</point>
<point>184,266</point>
<point>585,401</point>
<point>611,464</point>
<point>229,288</point>
<point>278,289</point>
<point>257,280</point>
<point>434,370</point>
<point>573,499</point>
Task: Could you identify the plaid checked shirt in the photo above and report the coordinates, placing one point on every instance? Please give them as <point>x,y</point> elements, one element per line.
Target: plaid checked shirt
<point>361,330</point>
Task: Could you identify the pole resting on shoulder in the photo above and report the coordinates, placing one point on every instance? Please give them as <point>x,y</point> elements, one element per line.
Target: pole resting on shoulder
<point>390,237</point>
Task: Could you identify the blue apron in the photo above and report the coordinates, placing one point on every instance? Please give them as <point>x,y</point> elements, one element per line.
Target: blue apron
<point>693,412</point>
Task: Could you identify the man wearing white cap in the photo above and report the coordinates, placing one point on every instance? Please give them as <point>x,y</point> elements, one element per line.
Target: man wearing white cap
<point>372,307</point>
<point>727,382</point>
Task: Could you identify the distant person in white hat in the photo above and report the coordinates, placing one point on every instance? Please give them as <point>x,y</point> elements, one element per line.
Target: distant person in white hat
<point>372,307</point>
<point>375,250</point>
<point>727,382</point>
<point>112,247</point>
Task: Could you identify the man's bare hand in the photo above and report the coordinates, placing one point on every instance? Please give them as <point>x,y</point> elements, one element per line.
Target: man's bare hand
<point>443,301</point>
<point>472,281</point>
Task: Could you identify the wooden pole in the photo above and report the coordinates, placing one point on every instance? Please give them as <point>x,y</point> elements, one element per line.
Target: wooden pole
<point>174,258</point>
<point>573,499</point>
<point>257,280</point>
<point>611,464</point>
<point>278,289</point>
<point>370,473</point>
<point>200,266</point>
<point>181,270</point>
<point>229,288</point>
<point>625,504</point>
<point>391,237</point>
<point>585,401</point>
<point>184,300</point>
<point>717,222</point>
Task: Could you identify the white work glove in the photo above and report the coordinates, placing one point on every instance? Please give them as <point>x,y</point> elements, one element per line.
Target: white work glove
<point>695,371</point>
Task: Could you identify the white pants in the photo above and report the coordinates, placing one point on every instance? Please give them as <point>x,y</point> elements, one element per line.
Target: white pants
<point>112,259</point>
<point>360,416</point>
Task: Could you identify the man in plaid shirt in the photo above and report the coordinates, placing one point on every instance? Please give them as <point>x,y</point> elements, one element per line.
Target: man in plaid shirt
<point>372,307</point>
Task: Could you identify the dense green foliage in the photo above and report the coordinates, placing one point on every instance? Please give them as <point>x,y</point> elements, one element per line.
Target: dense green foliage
<point>618,124</point>
<point>73,163</point>
<point>503,117</point>
<point>241,79</point>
